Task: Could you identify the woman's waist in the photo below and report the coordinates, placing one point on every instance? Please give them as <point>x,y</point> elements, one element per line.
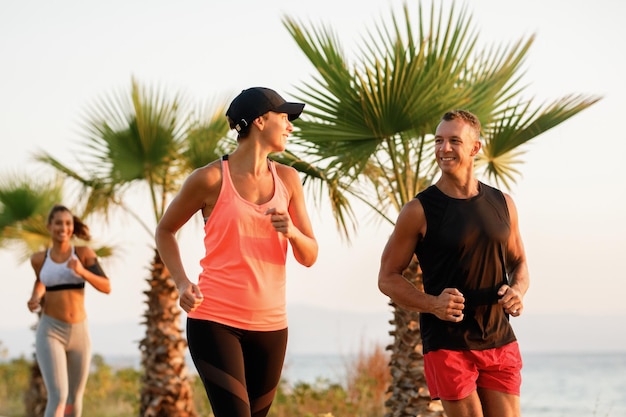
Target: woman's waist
<point>248,294</point>
<point>242,316</point>
<point>67,305</point>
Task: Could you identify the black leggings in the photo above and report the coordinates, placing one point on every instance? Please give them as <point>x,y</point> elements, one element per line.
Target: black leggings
<point>240,369</point>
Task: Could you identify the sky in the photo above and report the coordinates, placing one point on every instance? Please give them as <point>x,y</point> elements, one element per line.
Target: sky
<point>59,57</point>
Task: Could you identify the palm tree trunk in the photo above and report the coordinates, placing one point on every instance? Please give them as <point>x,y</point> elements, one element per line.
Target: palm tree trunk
<point>409,394</point>
<point>166,388</point>
<point>35,397</point>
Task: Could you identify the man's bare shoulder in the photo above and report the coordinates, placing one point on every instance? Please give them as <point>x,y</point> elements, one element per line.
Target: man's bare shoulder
<point>412,219</point>
<point>414,206</point>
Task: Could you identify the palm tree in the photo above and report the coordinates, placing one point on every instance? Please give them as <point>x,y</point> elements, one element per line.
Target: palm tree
<point>370,124</point>
<point>149,142</point>
<point>24,206</point>
<point>23,210</point>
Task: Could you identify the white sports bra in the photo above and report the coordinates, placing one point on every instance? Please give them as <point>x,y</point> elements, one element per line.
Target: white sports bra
<point>57,276</point>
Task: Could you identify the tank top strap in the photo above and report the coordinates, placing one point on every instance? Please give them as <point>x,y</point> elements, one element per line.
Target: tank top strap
<point>272,166</point>
<point>227,182</point>
<point>47,255</point>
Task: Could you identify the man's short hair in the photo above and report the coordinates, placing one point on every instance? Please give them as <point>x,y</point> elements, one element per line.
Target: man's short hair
<point>467,117</point>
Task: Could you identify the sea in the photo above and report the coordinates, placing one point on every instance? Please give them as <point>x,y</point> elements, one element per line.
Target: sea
<point>553,384</point>
<point>568,384</point>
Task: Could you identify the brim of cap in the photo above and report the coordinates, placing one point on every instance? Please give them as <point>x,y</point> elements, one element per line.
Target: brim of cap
<point>293,110</point>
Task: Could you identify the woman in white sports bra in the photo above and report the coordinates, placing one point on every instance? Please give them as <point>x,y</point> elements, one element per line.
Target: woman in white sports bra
<point>63,346</point>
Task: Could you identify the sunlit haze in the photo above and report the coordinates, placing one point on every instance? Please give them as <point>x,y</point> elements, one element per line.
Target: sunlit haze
<point>59,57</point>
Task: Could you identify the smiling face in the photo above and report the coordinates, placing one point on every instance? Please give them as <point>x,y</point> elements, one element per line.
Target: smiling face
<point>456,145</point>
<point>276,129</point>
<point>61,226</point>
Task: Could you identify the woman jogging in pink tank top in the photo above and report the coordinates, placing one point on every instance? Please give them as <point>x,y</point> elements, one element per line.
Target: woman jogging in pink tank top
<point>254,210</point>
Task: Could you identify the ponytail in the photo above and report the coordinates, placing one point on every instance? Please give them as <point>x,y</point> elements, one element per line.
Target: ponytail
<point>81,230</point>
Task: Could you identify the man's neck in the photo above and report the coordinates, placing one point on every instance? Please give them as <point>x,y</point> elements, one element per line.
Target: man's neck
<point>457,188</point>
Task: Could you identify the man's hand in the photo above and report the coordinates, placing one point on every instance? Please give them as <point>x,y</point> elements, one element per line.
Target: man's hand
<point>449,305</point>
<point>511,300</point>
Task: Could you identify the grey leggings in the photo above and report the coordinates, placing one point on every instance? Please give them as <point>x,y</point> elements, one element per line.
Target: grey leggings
<point>63,352</point>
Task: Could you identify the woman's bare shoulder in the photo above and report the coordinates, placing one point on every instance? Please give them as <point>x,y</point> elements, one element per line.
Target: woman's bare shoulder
<point>37,258</point>
<point>209,175</point>
<point>287,173</point>
<point>84,252</point>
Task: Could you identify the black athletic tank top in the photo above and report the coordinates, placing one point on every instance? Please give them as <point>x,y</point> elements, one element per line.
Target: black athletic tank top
<point>465,247</point>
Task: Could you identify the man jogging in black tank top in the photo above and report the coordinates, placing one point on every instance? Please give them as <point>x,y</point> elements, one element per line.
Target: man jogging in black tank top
<point>466,237</point>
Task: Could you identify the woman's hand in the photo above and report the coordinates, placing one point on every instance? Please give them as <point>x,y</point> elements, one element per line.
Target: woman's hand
<point>281,221</point>
<point>190,296</point>
<point>34,304</point>
<point>76,265</point>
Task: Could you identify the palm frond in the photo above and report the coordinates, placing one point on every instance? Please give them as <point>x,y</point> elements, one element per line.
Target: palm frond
<point>519,125</point>
<point>207,137</point>
<point>370,121</point>
<point>22,198</point>
<point>24,206</point>
<point>317,176</point>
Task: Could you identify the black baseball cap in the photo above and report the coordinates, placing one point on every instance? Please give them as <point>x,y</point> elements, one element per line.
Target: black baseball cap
<point>257,101</point>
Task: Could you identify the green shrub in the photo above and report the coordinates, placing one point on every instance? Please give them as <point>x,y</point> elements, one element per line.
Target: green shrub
<point>115,392</point>
<point>14,376</point>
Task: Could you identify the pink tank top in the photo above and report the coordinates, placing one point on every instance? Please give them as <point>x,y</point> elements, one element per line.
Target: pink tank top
<point>243,270</point>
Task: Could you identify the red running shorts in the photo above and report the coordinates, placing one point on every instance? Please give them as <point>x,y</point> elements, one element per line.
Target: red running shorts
<point>455,374</point>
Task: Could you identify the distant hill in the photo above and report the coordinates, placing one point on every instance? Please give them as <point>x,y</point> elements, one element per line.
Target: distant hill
<point>311,330</point>
<point>314,330</point>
